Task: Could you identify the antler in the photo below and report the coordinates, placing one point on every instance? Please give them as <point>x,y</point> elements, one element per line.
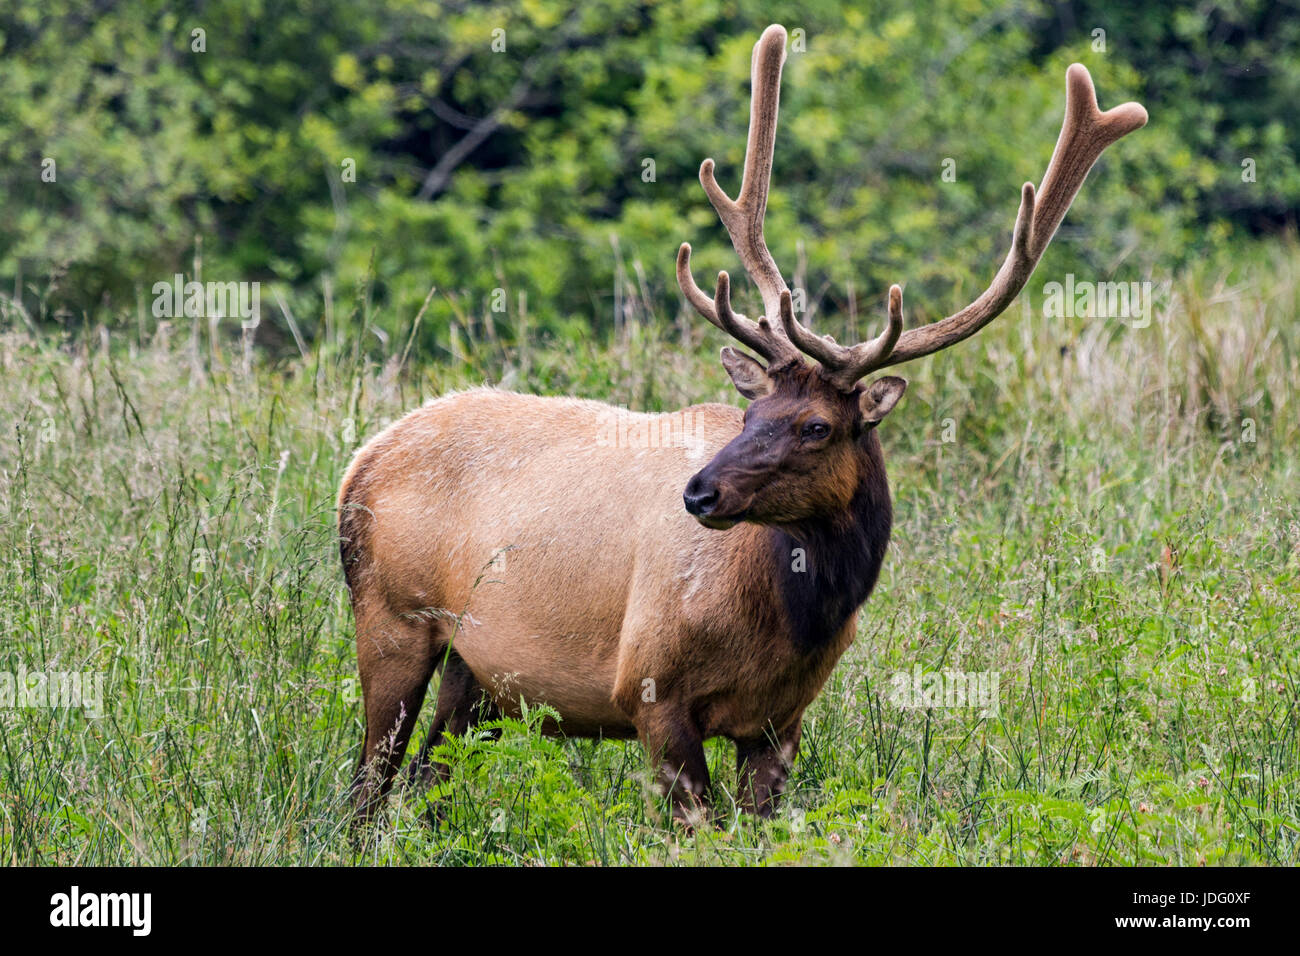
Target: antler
<point>743,217</point>
<point>844,365</point>
<point>1085,134</point>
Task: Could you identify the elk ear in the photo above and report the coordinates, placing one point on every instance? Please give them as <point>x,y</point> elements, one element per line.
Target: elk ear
<point>879,398</point>
<point>749,377</point>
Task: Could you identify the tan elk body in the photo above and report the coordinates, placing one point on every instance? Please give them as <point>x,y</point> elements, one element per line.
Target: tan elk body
<point>700,582</point>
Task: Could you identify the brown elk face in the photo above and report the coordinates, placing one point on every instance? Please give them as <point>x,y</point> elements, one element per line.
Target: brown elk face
<point>798,455</point>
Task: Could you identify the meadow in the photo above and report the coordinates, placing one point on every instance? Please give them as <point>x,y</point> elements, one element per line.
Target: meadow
<point>1102,517</point>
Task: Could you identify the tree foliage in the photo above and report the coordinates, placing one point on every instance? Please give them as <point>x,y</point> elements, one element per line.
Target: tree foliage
<point>535,147</point>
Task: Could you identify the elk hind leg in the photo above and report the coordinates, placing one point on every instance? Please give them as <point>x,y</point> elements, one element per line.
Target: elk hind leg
<point>461,703</point>
<point>396,655</point>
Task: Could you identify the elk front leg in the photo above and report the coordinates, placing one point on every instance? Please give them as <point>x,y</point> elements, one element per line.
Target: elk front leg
<point>644,690</point>
<point>763,765</point>
<point>674,744</point>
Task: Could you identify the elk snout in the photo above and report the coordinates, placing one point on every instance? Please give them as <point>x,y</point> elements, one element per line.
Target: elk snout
<point>701,495</point>
<point>704,498</point>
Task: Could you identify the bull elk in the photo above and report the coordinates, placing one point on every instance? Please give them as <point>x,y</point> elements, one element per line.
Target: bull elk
<point>701,587</point>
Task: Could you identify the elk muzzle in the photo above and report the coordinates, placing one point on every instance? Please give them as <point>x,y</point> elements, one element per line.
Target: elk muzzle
<point>714,501</point>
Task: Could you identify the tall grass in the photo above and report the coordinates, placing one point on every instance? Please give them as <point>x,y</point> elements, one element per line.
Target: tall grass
<point>1103,516</point>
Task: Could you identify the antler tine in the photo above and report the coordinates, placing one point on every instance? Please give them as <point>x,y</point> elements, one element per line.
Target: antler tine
<point>819,347</point>
<point>694,294</point>
<point>759,336</point>
<point>743,216</point>
<point>844,365</point>
<point>1085,133</point>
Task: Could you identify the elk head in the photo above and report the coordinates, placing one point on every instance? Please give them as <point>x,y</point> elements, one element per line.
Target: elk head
<point>797,455</point>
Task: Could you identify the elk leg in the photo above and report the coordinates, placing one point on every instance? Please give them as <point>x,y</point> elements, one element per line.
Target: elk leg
<point>396,657</point>
<point>763,765</point>
<point>675,743</point>
<point>461,703</point>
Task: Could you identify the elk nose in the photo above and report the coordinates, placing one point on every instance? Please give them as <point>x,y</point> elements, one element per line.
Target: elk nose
<point>700,496</point>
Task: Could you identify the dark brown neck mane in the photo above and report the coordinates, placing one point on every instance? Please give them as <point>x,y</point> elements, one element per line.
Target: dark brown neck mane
<point>842,555</point>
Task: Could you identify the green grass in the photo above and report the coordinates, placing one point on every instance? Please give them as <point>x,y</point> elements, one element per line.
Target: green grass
<point>1078,510</point>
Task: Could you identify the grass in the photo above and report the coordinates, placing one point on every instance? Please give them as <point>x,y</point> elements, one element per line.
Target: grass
<point>1104,517</point>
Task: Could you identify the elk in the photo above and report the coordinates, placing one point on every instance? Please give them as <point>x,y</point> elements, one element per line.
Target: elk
<point>669,591</point>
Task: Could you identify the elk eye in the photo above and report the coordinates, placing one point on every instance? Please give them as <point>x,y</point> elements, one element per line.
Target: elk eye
<point>816,430</point>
